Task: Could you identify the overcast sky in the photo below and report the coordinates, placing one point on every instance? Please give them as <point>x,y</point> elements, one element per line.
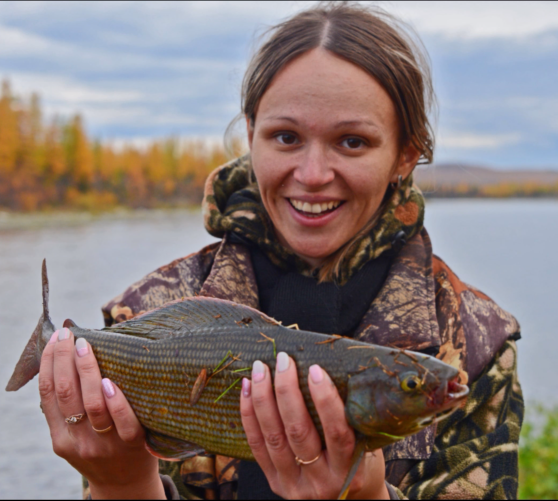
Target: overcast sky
<point>139,70</point>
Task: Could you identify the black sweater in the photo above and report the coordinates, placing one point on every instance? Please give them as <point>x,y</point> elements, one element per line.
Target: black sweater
<point>292,298</point>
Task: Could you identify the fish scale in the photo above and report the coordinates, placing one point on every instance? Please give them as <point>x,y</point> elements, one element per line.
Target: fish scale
<point>157,357</point>
<point>168,368</point>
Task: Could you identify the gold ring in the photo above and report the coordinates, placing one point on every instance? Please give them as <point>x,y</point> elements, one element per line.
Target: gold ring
<point>301,462</point>
<point>75,419</point>
<point>106,430</point>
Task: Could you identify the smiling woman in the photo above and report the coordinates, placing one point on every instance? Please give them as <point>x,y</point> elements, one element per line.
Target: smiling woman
<point>321,226</point>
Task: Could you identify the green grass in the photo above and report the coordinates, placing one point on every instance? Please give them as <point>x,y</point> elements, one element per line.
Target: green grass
<point>538,456</point>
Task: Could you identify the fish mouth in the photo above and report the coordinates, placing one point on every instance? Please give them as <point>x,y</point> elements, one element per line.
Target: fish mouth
<point>455,393</point>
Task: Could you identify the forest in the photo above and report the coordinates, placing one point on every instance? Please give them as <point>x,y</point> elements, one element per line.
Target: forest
<point>51,164</point>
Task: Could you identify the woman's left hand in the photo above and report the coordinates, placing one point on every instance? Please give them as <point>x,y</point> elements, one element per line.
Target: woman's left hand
<point>279,428</point>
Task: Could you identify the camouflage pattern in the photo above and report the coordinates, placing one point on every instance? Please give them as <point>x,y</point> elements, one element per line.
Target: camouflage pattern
<point>401,217</point>
<point>422,306</point>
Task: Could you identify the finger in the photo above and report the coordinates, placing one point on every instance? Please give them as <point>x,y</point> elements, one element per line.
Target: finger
<point>339,436</point>
<point>125,421</point>
<point>301,433</point>
<point>253,432</point>
<point>269,419</point>
<point>90,380</point>
<point>66,379</point>
<point>49,403</point>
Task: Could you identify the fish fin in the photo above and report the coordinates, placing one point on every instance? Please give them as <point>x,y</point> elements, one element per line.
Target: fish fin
<point>168,448</point>
<point>186,316</point>
<point>356,458</point>
<point>30,361</point>
<point>68,323</point>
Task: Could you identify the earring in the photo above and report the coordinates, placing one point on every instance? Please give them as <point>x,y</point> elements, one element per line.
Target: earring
<point>396,186</point>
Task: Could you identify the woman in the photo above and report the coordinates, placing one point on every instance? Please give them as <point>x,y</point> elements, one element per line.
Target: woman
<point>321,226</point>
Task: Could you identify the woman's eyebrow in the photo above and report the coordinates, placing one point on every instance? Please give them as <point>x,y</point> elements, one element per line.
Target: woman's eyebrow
<point>338,125</point>
<point>346,123</point>
<point>275,117</point>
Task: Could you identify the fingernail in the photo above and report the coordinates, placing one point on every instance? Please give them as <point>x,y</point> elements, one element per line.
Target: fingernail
<point>81,347</point>
<point>108,388</point>
<point>246,388</point>
<point>258,371</point>
<point>282,361</point>
<point>316,374</point>
<point>63,334</point>
<point>54,337</point>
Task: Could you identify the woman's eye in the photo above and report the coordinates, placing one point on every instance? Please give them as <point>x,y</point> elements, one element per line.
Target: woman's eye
<point>353,143</point>
<point>286,139</point>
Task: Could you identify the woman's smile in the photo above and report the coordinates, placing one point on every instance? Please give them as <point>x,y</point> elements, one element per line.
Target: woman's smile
<point>314,213</point>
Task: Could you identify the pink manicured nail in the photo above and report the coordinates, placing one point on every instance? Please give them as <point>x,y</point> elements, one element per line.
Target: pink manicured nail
<point>108,388</point>
<point>246,388</point>
<point>53,338</point>
<point>282,361</point>
<point>316,374</point>
<point>258,372</point>
<point>63,334</point>
<point>81,347</point>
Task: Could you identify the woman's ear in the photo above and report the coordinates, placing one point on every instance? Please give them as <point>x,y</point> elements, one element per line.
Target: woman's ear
<point>249,130</point>
<point>407,161</point>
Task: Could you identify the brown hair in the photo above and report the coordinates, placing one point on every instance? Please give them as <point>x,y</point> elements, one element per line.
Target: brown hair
<point>370,38</point>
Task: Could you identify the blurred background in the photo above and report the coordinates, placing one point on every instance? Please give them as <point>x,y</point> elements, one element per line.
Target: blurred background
<point>112,115</point>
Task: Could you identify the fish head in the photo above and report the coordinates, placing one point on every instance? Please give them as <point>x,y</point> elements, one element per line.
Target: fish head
<point>393,400</point>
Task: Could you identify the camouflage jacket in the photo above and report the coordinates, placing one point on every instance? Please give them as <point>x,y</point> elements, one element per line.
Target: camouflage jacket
<point>422,306</point>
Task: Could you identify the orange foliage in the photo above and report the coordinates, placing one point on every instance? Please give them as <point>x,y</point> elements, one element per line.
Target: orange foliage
<point>57,165</point>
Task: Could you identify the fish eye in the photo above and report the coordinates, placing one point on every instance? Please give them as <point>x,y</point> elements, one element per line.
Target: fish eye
<point>411,382</point>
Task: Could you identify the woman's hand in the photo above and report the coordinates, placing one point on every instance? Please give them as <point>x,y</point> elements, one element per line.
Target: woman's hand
<point>116,463</point>
<point>279,428</point>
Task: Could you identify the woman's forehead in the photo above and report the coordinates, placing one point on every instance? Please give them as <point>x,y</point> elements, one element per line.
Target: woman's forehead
<point>321,86</point>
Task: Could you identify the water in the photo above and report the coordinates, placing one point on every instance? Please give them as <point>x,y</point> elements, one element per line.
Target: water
<point>505,248</point>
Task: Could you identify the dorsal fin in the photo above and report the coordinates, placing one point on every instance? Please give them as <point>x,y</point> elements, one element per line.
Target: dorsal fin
<point>190,315</point>
<point>44,277</point>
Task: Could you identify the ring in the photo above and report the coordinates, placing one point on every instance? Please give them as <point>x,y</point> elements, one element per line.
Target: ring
<point>75,419</point>
<point>301,462</point>
<point>106,430</point>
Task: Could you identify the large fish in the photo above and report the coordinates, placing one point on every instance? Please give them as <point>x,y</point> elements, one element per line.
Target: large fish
<point>180,367</point>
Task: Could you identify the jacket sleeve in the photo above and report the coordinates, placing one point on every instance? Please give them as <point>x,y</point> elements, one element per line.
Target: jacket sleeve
<point>476,449</point>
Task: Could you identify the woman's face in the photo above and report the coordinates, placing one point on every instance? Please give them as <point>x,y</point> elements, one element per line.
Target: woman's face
<point>324,150</point>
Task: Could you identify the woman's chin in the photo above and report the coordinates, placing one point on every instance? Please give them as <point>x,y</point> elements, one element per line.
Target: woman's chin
<point>314,253</point>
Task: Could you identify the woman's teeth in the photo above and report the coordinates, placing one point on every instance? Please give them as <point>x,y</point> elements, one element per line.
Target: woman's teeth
<point>314,208</point>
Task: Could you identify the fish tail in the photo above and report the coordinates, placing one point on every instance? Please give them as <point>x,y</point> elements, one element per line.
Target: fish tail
<point>30,360</point>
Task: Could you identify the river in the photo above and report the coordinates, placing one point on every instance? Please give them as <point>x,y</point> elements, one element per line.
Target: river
<point>506,248</point>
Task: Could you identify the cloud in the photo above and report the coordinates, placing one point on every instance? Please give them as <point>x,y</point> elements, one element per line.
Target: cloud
<point>470,140</point>
<point>151,69</point>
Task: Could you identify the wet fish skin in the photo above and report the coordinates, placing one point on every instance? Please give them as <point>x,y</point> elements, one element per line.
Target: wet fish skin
<point>157,357</point>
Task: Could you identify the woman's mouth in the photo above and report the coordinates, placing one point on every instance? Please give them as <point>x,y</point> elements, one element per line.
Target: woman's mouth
<point>314,210</point>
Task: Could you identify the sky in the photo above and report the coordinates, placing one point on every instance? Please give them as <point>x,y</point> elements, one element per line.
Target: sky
<point>143,70</point>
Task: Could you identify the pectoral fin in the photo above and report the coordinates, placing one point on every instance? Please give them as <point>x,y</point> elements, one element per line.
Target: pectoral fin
<point>358,454</point>
<point>168,448</point>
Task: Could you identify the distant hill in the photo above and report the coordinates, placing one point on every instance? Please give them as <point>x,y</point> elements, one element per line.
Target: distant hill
<point>458,180</point>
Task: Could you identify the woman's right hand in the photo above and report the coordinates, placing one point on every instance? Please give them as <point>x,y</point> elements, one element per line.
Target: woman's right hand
<point>115,463</point>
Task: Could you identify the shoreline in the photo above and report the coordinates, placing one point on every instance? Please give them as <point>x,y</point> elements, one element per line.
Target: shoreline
<point>12,220</point>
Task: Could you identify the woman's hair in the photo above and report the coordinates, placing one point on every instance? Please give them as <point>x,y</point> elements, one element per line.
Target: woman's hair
<point>370,38</point>
<point>366,36</point>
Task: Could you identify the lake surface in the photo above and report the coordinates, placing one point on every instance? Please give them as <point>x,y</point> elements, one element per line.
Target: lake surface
<point>508,249</point>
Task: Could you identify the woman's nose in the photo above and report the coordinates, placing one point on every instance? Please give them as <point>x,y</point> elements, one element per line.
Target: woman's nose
<point>313,169</point>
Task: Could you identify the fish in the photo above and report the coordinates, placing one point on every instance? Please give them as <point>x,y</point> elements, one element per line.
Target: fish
<point>180,367</point>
